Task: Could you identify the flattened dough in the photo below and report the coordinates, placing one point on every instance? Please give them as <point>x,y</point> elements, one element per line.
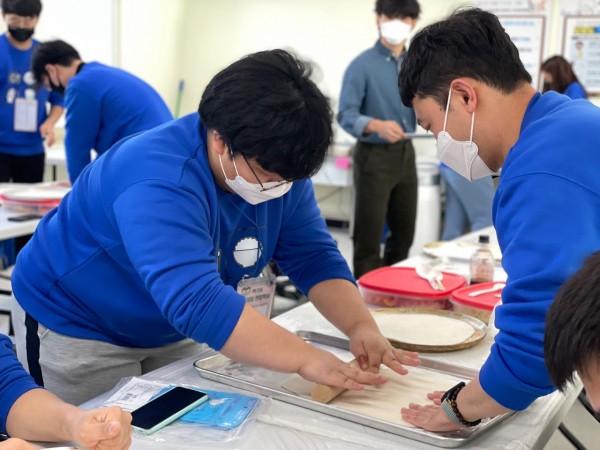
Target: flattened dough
<point>384,402</point>
<point>423,329</point>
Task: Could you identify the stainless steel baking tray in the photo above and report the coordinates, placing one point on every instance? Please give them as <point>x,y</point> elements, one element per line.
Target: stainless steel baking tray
<point>268,383</point>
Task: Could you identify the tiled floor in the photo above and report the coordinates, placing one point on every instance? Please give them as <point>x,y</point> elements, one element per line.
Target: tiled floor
<point>578,421</point>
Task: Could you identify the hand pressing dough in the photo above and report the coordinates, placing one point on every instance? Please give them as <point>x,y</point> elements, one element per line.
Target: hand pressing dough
<point>423,329</point>
<point>384,402</point>
<point>324,393</point>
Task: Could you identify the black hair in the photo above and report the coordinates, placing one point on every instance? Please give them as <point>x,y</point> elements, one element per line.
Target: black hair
<point>51,52</point>
<point>265,106</point>
<point>398,8</point>
<point>24,8</point>
<point>470,43</point>
<point>572,336</point>
<point>562,74</point>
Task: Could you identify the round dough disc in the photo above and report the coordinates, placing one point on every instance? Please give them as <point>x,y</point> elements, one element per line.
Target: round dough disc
<point>423,329</point>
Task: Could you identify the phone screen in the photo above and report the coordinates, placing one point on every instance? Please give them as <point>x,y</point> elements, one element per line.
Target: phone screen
<point>165,406</point>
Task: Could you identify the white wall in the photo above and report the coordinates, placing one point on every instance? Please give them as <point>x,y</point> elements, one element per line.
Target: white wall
<point>163,41</point>
<point>85,24</point>
<point>330,33</point>
<point>150,36</point>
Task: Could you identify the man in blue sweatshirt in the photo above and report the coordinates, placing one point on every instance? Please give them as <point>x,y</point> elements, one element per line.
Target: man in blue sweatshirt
<point>159,235</point>
<point>104,104</point>
<point>464,78</point>
<point>28,412</point>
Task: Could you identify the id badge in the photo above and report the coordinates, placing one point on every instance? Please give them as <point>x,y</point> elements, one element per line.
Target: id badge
<point>259,293</point>
<point>26,112</point>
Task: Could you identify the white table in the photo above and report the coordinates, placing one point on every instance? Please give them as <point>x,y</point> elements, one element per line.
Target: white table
<point>284,426</point>
<point>9,229</point>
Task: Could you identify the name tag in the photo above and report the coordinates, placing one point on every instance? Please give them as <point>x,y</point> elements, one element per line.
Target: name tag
<point>26,111</point>
<point>259,293</point>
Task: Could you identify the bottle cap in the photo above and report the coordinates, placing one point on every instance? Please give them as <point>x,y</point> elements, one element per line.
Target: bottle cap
<point>484,239</point>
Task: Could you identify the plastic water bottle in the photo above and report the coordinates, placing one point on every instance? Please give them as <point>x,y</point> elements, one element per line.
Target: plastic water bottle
<point>482,262</point>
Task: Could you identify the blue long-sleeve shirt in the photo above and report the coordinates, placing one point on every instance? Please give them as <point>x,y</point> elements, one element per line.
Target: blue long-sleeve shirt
<point>14,381</point>
<point>370,91</point>
<point>547,217</point>
<point>575,91</point>
<point>105,104</point>
<point>147,249</point>
<point>16,79</point>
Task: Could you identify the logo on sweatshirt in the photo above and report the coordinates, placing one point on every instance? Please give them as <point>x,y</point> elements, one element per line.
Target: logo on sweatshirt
<point>247,252</point>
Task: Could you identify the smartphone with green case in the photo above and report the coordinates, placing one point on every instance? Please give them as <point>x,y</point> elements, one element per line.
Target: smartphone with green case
<point>166,408</point>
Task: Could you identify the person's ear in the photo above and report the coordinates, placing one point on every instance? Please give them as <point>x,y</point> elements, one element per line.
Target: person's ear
<point>466,94</point>
<point>52,73</point>
<point>218,142</point>
<point>413,24</point>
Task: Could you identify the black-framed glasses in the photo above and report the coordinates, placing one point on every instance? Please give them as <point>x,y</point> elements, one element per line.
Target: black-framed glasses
<point>262,187</point>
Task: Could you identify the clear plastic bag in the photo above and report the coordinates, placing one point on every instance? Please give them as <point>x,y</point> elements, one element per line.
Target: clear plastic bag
<point>228,417</point>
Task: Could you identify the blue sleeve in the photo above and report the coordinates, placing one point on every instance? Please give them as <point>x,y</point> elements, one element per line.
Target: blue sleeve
<point>546,226</point>
<point>14,381</point>
<point>575,91</point>
<point>82,126</point>
<point>56,99</point>
<point>305,249</point>
<point>354,86</point>
<point>167,235</point>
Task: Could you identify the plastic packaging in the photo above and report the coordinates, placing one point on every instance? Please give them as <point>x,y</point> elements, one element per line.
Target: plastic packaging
<point>401,287</point>
<point>482,263</point>
<point>179,434</point>
<point>224,410</point>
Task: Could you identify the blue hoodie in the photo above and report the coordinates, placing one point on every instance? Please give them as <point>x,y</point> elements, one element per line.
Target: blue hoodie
<point>14,381</point>
<point>131,255</point>
<point>547,217</point>
<point>105,104</point>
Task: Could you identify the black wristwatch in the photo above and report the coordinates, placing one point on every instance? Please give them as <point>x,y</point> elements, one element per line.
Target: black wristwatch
<point>451,409</point>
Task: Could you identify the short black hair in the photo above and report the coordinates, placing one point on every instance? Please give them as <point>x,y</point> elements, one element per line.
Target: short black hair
<point>470,43</point>
<point>562,74</point>
<point>572,336</point>
<point>25,8</point>
<point>51,52</point>
<point>398,8</point>
<point>266,107</point>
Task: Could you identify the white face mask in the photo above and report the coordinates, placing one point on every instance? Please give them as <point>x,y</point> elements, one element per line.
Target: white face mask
<point>461,156</point>
<point>255,193</point>
<point>394,31</point>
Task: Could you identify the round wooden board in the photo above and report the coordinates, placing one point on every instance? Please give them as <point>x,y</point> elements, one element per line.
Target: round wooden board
<point>479,330</point>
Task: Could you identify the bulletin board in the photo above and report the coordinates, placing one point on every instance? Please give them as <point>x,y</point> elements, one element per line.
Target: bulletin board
<point>581,47</point>
<point>527,33</point>
<point>514,6</point>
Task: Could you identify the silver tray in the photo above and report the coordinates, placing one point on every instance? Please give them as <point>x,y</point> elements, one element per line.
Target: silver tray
<point>268,383</point>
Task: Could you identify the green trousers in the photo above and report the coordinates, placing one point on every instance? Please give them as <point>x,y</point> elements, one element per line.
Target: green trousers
<point>386,188</point>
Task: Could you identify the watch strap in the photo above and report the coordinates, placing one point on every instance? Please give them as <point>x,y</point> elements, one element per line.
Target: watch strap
<point>450,407</point>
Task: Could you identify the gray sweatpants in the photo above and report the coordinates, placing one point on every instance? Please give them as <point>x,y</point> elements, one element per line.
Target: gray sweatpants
<point>80,369</point>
